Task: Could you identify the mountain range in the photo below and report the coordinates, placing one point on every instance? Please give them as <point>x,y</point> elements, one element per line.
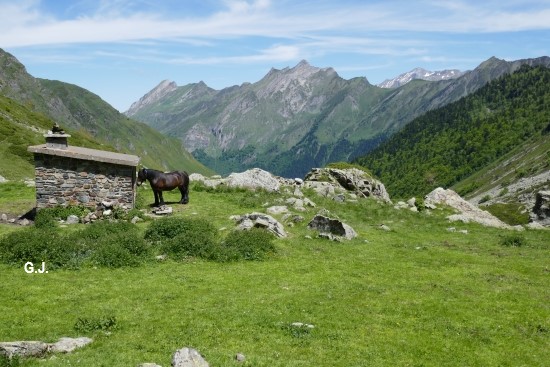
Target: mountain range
<point>300,117</point>
<point>422,74</point>
<point>32,105</point>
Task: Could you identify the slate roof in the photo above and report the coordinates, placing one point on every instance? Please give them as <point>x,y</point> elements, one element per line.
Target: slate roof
<point>88,154</point>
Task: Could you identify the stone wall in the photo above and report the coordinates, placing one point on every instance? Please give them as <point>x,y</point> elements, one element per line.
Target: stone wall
<point>69,181</point>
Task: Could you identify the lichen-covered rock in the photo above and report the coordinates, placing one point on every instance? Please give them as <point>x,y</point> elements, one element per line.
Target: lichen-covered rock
<point>334,227</point>
<point>188,357</point>
<point>260,220</point>
<point>328,181</point>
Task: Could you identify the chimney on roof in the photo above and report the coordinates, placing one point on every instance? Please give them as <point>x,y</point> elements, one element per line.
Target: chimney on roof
<point>56,138</point>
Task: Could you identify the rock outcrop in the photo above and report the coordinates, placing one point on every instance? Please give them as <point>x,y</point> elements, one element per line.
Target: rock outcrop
<point>468,212</point>
<point>260,220</point>
<point>254,178</point>
<point>188,357</point>
<point>330,227</point>
<point>330,181</point>
<point>39,349</point>
<point>541,209</point>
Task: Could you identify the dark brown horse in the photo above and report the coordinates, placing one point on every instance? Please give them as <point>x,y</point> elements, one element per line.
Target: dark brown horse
<point>161,181</point>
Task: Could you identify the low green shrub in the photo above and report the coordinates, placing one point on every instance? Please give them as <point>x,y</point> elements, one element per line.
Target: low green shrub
<point>90,324</point>
<point>35,245</point>
<point>101,244</point>
<point>254,244</point>
<point>513,240</point>
<point>510,213</point>
<point>170,227</point>
<point>48,217</point>
<point>180,238</point>
<point>119,250</point>
<point>101,229</point>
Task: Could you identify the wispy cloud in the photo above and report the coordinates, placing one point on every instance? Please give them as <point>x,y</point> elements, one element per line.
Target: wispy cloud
<point>23,24</point>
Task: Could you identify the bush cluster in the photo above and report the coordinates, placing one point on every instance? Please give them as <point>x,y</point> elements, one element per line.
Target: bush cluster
<point>99,244</point>
<point>119,244</point>
<point>48,217</point>
<point>90,324</point>
<point>513,240</point>
<point>182,238</point>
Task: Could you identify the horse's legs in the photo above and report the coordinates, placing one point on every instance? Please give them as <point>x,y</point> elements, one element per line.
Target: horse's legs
<point>161,198</point>
<point>184,189</point>
<point>156,197</point>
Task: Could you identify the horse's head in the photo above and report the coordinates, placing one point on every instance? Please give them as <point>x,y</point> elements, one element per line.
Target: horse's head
<point>141,176</point>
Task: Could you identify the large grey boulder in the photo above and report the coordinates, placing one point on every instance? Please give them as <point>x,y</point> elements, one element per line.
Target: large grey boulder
<point>24,349</point>
<point>334,227</point>
<point>254,178</point>
<point>328,181</point>
<point>67,345</point>
<point>188,357</point>
<point>468,212</point>
<point>260,220</point>
<point>39,349</point>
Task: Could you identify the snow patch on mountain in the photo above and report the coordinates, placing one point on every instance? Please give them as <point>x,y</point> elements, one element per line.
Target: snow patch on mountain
<point>420,73</point>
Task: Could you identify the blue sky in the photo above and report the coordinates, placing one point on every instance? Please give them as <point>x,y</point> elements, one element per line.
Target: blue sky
<point>121,49</point>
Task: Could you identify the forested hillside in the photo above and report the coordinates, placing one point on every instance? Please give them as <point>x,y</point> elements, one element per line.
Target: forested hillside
<point>448,144</point>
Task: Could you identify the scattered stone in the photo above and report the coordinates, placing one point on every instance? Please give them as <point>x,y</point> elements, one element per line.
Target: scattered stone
<point>276,210</point>
<point>136,219</point>
<point>107,212</point>
<point>340,198</point>
<point>67,345</point>
<point>332,226</point>
<point>299,181</point>
<point>24,349</point>
<point>301,324</point>
<point>4,217</point>
<point>384,227</point>
<point>72,219</point>
<point>108,204</point>
<point>24,222</point>
<point>260,220</point>
<point>188,357</point>
<point>162,257</point>
<point>239,357</point>
<point>2,179</point>
<point>298,193</point>
<point>39,349</point>
<point>163,210</point>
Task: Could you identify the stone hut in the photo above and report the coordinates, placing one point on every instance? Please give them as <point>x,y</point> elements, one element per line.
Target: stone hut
<point>70,175</point>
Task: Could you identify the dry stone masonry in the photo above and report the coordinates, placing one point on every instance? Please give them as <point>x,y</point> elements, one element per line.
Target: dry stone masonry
<point>69,175</point>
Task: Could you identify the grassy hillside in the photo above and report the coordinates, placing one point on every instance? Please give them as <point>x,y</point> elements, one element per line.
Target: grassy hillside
<point>448,144</point>
<point>415,295</point>
<point>126,135</point>
<point>21,127</point>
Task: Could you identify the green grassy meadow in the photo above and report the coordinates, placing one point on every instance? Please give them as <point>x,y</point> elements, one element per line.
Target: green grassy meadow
<point>417,295</point>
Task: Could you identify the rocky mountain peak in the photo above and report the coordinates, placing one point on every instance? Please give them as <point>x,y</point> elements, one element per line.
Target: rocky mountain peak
<point>420,73</point>
<point>156,94</point>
